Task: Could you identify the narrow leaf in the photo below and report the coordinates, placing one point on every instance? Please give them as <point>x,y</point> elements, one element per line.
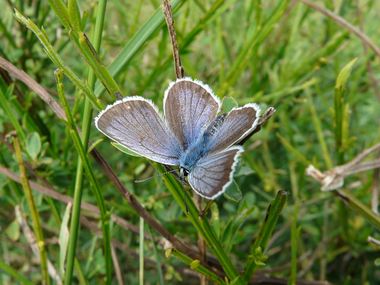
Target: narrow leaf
<point>64,239</point>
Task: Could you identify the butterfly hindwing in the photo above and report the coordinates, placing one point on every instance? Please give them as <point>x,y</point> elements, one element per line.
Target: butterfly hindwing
<point>213,173</point>
<point>135,123</point>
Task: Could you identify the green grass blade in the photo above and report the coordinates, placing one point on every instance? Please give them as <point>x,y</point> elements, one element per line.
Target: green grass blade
<point>136,42</point>
<point>201,224</point>
<point>9,270</point>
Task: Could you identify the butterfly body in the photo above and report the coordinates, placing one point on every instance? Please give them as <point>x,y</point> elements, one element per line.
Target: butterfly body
<point>202,145</point>
<point>191,134</point>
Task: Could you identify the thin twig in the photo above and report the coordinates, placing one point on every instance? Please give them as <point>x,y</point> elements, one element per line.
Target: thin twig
<point>119,276</point>
<point>375,191</point>
<point>179,71</point>
<point>334,178</point>
<point>342,22</point>
<point>373,240</point>
<point>34,86</point>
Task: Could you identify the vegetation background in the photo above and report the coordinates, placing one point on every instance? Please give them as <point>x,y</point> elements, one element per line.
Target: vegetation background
<point>286,54</point>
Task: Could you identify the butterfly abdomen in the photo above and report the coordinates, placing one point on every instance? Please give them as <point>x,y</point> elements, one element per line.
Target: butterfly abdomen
<point>200,148</point>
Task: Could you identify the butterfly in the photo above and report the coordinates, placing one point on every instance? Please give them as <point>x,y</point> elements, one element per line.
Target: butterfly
<point>190,134</point>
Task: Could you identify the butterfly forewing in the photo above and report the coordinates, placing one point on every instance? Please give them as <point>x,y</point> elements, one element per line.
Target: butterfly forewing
<point>238,123</point>
<point>189,107</point>
<point>135,123</point>
<point>214,172</point>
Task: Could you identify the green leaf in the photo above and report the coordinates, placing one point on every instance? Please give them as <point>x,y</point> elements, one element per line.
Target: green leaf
<point>33,145</point>
<point>228,104</point>
<point>74,14</point>
<point>194,264</point>
<point>136,42</point>
<point>139,169</point>
<point>124,149</point>
<point>244,170</point>
<point>168,252</point>
<point>233,192</point>
<point>13,231</point>
<point>64,238</point>
<point>344,74</point>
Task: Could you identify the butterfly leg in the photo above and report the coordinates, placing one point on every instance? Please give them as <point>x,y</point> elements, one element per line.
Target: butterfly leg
<point>203,212</point>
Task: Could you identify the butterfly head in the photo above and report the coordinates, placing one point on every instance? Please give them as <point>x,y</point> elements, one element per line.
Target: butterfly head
<point>183,173</point>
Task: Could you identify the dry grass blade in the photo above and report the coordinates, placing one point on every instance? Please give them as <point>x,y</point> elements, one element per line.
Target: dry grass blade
<point>375,191</point>
<point>374,241</point>
<point>28,233</point>
<point>179,71</point>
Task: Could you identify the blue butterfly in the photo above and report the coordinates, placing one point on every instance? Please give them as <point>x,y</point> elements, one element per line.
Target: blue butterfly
<point>190,135</point>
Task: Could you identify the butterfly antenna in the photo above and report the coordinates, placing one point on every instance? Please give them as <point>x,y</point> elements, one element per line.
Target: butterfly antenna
<point>156,175</point>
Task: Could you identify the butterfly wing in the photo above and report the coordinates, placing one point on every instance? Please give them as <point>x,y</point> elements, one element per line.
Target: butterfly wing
<point>189,106</point>
<point>238,123</point>
<point>213,173</point>
<point>135,123</point>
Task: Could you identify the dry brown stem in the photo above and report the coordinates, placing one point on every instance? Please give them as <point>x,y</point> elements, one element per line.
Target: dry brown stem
<point>334,178</point>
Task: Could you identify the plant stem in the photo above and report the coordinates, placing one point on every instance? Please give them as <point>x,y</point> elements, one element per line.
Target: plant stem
<point>157,257</point>
<point>84,45</point>
<point>77,196</point>
<point>33,210</point>
<point>359,207</point>
<point>341,133</point>
<point>86,126</point>
<point>198,267</point>
<point>273,213</point>
<point>202,226</point>
<point>141,252</point>
<point>57,60</point>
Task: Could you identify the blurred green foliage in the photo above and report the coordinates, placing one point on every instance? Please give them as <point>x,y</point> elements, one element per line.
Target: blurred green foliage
<point>274,53</point>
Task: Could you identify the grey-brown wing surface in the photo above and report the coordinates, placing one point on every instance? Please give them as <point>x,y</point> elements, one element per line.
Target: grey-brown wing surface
<point>189,107</point>
<point>135,123</point>
<point>238,123</point>
<point>213,173</point>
